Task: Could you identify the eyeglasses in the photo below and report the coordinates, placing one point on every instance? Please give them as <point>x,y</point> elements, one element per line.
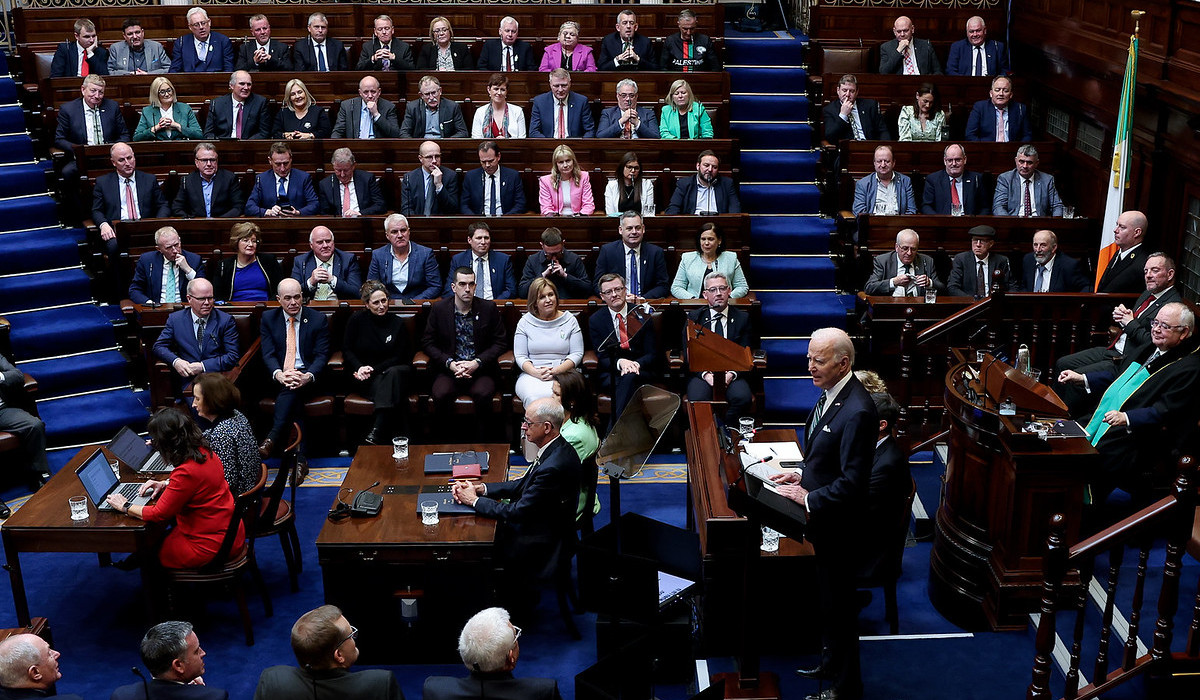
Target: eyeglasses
<point>516,633</point>
<point>721,289</point>
<point>166,91</point>
<point>441,30</point>
<point>1165,326</point>
<point>353,635</point>
<point>200,299</point>
<point>612,292</point>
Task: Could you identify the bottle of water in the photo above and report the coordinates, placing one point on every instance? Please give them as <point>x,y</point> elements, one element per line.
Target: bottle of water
<point>1023,359</point>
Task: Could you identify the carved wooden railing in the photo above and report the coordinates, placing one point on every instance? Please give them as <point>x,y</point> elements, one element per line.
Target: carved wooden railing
<point>1170,517</point>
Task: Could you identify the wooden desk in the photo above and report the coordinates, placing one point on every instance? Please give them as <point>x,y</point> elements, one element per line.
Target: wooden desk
<point>370,564</point>
<point>44,524</point>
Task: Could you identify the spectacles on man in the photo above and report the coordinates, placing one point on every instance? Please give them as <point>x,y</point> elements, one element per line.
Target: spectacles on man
<point>1165,326</point>
<point>353,635</point>
<point>612,292</point>
<point>721,288</point>
<point>516,633</point>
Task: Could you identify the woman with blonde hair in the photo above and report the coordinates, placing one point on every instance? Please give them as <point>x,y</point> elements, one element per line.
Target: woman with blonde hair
<point>546,343</point>
<point>248,275</point>
<point>301,117</point>
<point>568,53</point>
<point>683,116</point>
<point>164,119</point>
<point>567,190</point>
<point>441,53</point>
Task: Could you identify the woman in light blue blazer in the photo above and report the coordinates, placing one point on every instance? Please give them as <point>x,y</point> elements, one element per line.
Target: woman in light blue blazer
<point>709,256</point>
<point>694,123</point>
<point>164,119</point>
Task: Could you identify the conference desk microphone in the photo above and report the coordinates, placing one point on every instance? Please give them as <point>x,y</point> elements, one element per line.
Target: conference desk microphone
<point>742,471</point>
<point>145,685</point>
<point>366,504</point>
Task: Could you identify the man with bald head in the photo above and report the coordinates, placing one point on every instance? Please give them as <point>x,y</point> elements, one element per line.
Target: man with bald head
<point>1124,272</point>
<point>1045,270</point>
<point>240,114</point>
<point>907,55</point>
<point>368,116</point>
<point>955,190</point>
<point>325,272</point>
<point>906,272</point>
<point>29,668</point>
<point>977,54</point>
<point>125,195</point>
<point>432,189</point>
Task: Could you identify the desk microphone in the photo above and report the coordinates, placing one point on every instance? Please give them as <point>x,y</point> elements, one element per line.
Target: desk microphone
<point>366,504</point>
<point>145,686</point>
<point>742,471</point>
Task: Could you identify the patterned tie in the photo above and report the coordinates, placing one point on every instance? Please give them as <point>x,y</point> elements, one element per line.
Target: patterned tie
<point>170,293</point>
<point>202,54</point>
<point>818,411</point>
<point>955,202</point>
<point>981,286</point>
<point>130,202</point>
<point>289,353</point>
<point>1037,282</point>
<point>321,65</point>
<point>910,68</point>
<point>1027,202</point>
<point>323,290</point>
<point>495,197</point>
<point>200,334</point>
<point>97,128</point>
<point>479,278</point>
<point>622,332</point>
<point>856,125</point>
<point>635,287</point>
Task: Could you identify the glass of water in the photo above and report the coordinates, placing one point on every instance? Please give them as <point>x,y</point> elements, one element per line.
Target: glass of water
<point>746,428</point>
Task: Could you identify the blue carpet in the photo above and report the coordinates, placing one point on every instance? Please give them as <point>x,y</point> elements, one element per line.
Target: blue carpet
<point>790,234</point>
<point>761,49</point>
<point>21,180</point>
<point>787,198</point>
<point>98,370</point>
<point>41,333</point>
<point>799,313</point>
<point>783,108</point>
<point>93,417</point>
<point>16,149</point>
<point>768,80</point>
<point>41,289</point>
<point>783,272</point>
<point>779,165</point>
<point>30,212</point>
<point>25,251</point>
<point>12,119</point>
<point>773,135</point>
<point>786,355</point>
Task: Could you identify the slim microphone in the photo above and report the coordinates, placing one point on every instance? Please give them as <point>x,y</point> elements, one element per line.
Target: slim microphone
<point>742,471</point>
<point>145,686</point>
<point>370,487</point>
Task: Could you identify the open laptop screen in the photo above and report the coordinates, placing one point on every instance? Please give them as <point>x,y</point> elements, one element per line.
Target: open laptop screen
<point>129,447</point>
<point>97,477</point>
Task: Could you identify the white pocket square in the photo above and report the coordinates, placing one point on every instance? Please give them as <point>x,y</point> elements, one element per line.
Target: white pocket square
<point>825,429</point>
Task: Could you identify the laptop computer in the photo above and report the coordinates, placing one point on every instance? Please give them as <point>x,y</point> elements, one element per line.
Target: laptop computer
<point>99,481</point>
<point>131,448</point>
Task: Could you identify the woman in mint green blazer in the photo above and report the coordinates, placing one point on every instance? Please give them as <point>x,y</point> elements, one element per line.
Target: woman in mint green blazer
<point>164,119</point>
<point>695,123</point>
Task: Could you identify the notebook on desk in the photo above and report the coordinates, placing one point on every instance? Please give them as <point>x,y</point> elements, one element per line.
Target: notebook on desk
<point>99,481</point>
<point>445,499</point>
<point>130,448</point>
<point>444,462</point>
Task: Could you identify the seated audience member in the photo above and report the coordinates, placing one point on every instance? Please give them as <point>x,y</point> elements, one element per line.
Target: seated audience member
<point>208,191</point>
<point>508,53</point>
<point>29,668</point>
<point>239,115</point>
<point>164,119</point>
<point>567,190</point>
<point>198,339</point>
<point>643,264</point>
<point>350,192</point>
<point>626,349</point>
<point>161,276</point>
<point>81,57</point>
<point>384,52</point>
<point>215,399</point>
<point>408,269</point>
<point>491,189</point>
<point>625,49</point>
<point>494,277</point>
<point>1147,402</point>
<point>204,51</point>
<point>707,192</point>
<point>561,113</point>
<point>326,272</point>
<point>318,51</point>
<point>884,192</point>
<point>731,323</point>
<point>626,120</point>
<point>136,55</point>
<point>282,191</point>
<point>1025,190</point>
<point>689,50</point>
<point>26,426</point>
<point>378,353</point>
<point>442,53</point>
<point>1123,274</point>
<point>906,55</point>
<point>976,54</point>
<point>629,191</point>
<point>498,119</point>
<point>77,122</point>
<point>891,482</point>
<point>709,256</point>
<point>546,343</point>
<point>999,115</point>
<point>464,339</point>
<point>489,649</point>
<point>924,120</point>
<point>1047,271</point>
<point>972,273</point>
<point>557,264</point>
<point>432,189</point>
<point>247,275</point>
<point>172,653</point>
<point>326,646</point>
<point>125,195</point>
<point>851,117</point>
<point>301,118</point>
<point>432,116</point>
<point>905,273</point>
<point>195,495</point>
<point>581,424</point>
<point>567,53</point>
<point>683,116</point>
<point>367,116</point>
<point>967,197</point>
<point>263,53</point>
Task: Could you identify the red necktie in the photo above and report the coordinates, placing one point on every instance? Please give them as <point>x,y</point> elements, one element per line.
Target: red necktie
<point>954,201</point>
<point>84,68</point>
<point>1140,309</point>
<point>562,121</point>
<point>130,203</point>
<point>508,60</point>
<point>622,332</point>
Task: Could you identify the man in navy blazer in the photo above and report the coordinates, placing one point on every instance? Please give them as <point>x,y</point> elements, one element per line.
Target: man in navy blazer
<point>203,51</point>
<point>937,198</point>
<point>449,122</point>
<point>965,54</point>
<point>423,281</point>
<point>73,130</point>
<point>626,119</point>
<point>350,192</point>
<point>578,111</point>
<point>922,57</point>
<point>625,49</point>
<point>1009,199</point>
<point>222,115</point>
<point>706,191</point>
<point>318,51</point>
<point>981,124</point>
<point>491,189</point>
<point>172,653</point>
<point>839,115</point>
<point>150,276</point>
<point>964,269</point>
<point>508,53</point>
<point>732,324</point>
<point>67,63</point>
<point>416,185</point>
<point>301,199</point>
<point>294,381</point>
<point>1057,273</point>
<point>326,272</point>
<point>499,280</point>
<point>384,52</point>
<point>488,643</point>
<point>199,338</point>
<point>224,197</point>
<point>651,281</point>
<point>110,198</point>
<point>866,190</point>
<point>627,350</point>
<point>263,53</point>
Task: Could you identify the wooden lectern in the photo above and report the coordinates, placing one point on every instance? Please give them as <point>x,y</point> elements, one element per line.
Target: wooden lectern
<point>709,352</point>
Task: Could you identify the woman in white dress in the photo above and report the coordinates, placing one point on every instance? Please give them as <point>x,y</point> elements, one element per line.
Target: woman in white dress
<point>547,342</point>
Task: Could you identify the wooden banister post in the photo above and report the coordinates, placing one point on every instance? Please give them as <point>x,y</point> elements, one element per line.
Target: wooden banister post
<point>1178,534</point>
<point>1053,571</point>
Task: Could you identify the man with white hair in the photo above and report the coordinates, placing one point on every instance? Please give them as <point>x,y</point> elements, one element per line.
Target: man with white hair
<point>29,668</point>
<point>203,51</point>
<point>508,53</point>
<point>489,647</point>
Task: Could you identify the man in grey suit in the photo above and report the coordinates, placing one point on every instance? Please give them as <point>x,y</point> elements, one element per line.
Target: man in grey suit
<point>367,116</point>
<point>972,273</point>
<point>1025,190</point>
<point>904,273</point>
<point>885,191</point>
<point>431,117</point>
<point>906,55</point>
<point>137,54</point>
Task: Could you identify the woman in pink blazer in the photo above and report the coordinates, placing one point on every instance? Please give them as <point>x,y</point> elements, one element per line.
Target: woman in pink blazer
<point>568,44</point>
<point>566,191</point>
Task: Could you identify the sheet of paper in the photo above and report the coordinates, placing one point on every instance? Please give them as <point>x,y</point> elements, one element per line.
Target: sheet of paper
<point>778,451</point>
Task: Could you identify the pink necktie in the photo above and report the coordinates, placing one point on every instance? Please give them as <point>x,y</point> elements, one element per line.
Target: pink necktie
<point>1001,132</point>
<point>237,128</point>
<point>130,203</point>
<point>345,200</point>
<point>562,121</point>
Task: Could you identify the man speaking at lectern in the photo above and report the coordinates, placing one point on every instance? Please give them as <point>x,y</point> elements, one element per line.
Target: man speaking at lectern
<point>839,448</point>
<point>729,323</point>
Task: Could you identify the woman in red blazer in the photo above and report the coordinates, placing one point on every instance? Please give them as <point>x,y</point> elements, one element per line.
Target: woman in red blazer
<point>566,191</point>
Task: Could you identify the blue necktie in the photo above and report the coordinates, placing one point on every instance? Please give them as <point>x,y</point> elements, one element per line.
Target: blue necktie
<point>429,194</point>
<point>282,195</point>
<point>321,66</point>
<point>634,285</point>
<point>495,198</point>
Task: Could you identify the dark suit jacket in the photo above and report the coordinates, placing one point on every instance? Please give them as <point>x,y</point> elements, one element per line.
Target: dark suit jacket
<point>510,189</point>
<point>167,690</point>
<point>106,198</point>
<point>304,57</point>
<point>838,453</point>
<point>72,125</point>
<point>576,285</point>
<point>345,268</point>
<point>504,280</point>
<point>868,116</point>
<point>350,112</point>
<point>1009,195</point>
<point>312,340</point>
<point>961,57</point>
<point>887,265</point>
<point>66,60</point>
<point>489,57</point>
<point>403,61</point>
<point>491,338</point>
<point>653,274</point>
<point>1137,331</point>
<point>683,201</point>
<point>32,694</point>
<point>892,63</point>
<point>226,196</point>
<point>280,56</point>
<point>962,273</point>
<point>1125,276</point>
<point>178,340</point>
<point>278,682</point>
<point>219,59</point>
<point>1065,276</point>
<point>424,279</point>
<point>737,327</point>
<point>981,124</point>
<point>366,189</point>
<point>460,54</point>
<point>147,276</point>
<point>223,280</point>
<point>412,194</point>
<point>256,122</point>
<point>610,124</point>
<point>301,193</point>
<point>498,686</point>
<point>450,120</point>
<point>579,117</point>
<point>643,346</point>
<point>612,46</point>
<point>704,56</point>
<point>936,199</point>
<point>887,494</point>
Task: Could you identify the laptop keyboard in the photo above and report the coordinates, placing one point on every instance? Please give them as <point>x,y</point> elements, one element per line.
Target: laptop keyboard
<point>156,464</point>
<point>129,490</point>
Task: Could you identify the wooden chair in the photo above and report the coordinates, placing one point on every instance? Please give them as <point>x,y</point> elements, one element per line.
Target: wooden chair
<point>888,572</point>
<point>276,515</point>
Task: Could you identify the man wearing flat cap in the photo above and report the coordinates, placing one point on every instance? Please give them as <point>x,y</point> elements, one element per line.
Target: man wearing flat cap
<point>971,274</point>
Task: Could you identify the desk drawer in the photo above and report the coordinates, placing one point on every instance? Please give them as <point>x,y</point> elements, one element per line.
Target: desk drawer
<point>409,554</point>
